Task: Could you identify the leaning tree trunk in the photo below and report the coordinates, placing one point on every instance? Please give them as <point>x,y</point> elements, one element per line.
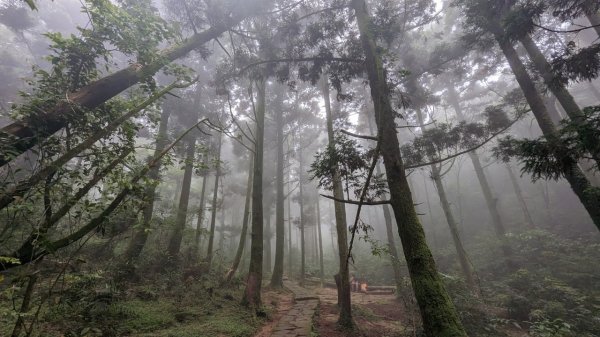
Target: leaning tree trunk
<point>490,201</point>
<point>252,293</point>
<point>520,198</point>
<point>30,246</point>
<point>19,189</point>
<point>186,184</point>
<point>440,318</point>
<point>588,195</point>
<point>213,215</point>
<point>31,132</point>
<point>566,100</point>
<point>140,236</point>
<point>461,253</point>
<point>594,19</point>
<point>343,276</point>
<point>244,233</point>
<point>50,247</point>
<point>465,265</point>
<point>277,276</point>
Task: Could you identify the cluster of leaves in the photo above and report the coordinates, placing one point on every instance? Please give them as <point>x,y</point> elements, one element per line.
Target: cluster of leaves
<point>545,158</point>
<point>352,163</point>
<point>576,64</point>
<point>447,138</point>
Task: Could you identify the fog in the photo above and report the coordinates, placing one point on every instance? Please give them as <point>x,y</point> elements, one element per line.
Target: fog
<point>295,168</point>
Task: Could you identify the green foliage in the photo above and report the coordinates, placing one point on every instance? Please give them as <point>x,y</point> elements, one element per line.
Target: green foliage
<point>352,163</point>
<point>545,158</point>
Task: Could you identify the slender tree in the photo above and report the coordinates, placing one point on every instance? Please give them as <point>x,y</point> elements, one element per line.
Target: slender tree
<point>213,215</point>
<point>252,293</point>
<point>277,276</point>
<point>244,233</point>
<point>437,310</point>
<point>180,220</point>
<point>343,276</point>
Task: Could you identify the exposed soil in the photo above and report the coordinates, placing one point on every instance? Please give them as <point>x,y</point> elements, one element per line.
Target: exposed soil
<point>280,302</point>
<point>374,315</point>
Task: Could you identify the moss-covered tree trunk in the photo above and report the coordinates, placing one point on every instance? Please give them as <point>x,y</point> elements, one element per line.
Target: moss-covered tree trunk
<point>277,276</point>
<point>29,133</point>
<point>440,318</point>
<point>252,293</point>
<point>213,213</point>
<point>140,236</point>
<point>588,195</point>
<point>343,281</point>
<point>244,232</point>
<point>184,198</point>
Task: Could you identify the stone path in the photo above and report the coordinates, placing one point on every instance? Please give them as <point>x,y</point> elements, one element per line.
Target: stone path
<point>298,321</point>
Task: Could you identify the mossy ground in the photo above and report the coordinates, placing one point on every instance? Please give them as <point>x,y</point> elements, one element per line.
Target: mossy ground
<point>188,309</point>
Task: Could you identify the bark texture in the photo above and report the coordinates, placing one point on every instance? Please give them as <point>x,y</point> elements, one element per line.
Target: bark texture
<point>252,293</point>
<point>440,318</point>
<point>343,276</point>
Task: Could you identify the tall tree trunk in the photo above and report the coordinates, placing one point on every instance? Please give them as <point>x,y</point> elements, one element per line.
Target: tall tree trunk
<point>562,94</point>
<point>320,238</point>
<point>289,204</point>
<point>343,276</point>
<point>461,253</point>
<point>213,215</point>
<point>186,184</point>
<point>440,318</point>
<point>277,276</point>
<point>490,201</point>
<point>302,224</point>
<point>222,227</point>
<point>519,194</point>
<point>466,267</point>
<point>252,293</point>
<point>594,19</point>
<point>31,132</point>
<point>268,252</point>
<point>588,195</point>
<point>198,234</point>
<point>138,241</point>
<point>244,233</point>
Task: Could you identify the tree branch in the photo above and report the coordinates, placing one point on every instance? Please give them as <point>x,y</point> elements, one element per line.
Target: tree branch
<point>357,135</point>
<point>565,31</point>
<point>355,202</point>
<point>301,59</point>
<point>464,151</point>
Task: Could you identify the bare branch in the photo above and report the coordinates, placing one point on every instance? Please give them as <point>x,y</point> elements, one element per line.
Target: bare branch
<point>357,135</point>
<point>355,202</point>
